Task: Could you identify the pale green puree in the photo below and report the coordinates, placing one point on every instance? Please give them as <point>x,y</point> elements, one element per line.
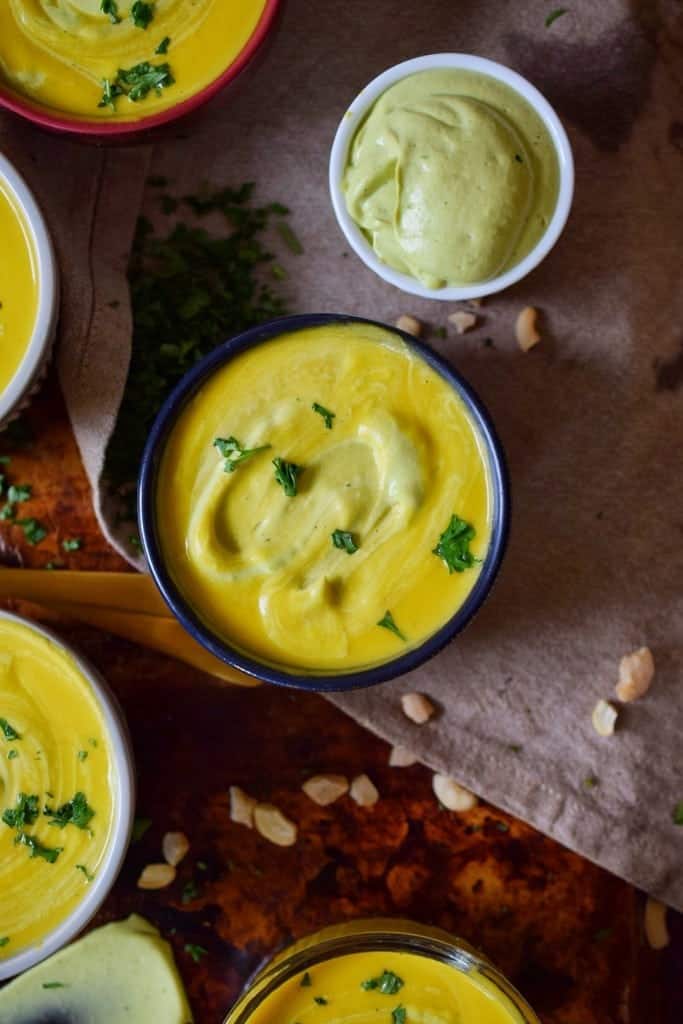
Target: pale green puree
<point>452,177</point>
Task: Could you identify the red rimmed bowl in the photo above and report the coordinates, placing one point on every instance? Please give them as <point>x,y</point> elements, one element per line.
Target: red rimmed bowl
<point>101,131</point>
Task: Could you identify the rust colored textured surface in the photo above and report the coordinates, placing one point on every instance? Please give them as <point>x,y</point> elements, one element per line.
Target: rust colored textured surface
<point>567,933</point>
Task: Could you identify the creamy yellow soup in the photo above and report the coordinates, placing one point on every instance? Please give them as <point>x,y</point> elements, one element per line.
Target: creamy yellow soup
<point>341,574</point>
<point>56,786</point>
<point>386,988</point>
<point>68,55</point>
<point>18,286</point>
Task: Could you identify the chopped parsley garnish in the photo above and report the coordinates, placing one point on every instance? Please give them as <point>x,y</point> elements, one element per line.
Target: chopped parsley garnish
<point>289,238</point>
<point>196,952</point>
<point>677,816</point>
<point>554,15</point>
<point>320,1000</point>
<point>5,460</point>
<point>387,983</point>
<point>454,545</point>
<point>8,731</point>
<point>25,811</point>
<point>34,531</point>
<point>110,7</point>
<point>398,1016</point>
<point>4,940</point>
<point>136,83</point>
<point>286,474</point>
<point>163,45</point>
<point>190,892</point>
<point>92,741</point>
<point>388,623</point>
<point>306,980</point>
<point>18,492</point>
<point>7,512</point>
<point>54,984</point>
<point>12,754</point>
<point>82,755</point>
<point>48,853</point>
<point>344,540</point>
<point>88,875</point>
<point>140,826</point>
<point>72,544</point>
<point>141,13</point>
<point>233,452</point>
<point>325,413</point>
<point>591,781</point>
<point>76,812</point>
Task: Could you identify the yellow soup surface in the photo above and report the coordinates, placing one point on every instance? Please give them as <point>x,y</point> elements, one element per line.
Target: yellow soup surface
<point>453,177</point>
<point>406,989</point>
<point>400,458</point>
<point>56,786</point>
<point>18,286</point>
<point>60,53</point>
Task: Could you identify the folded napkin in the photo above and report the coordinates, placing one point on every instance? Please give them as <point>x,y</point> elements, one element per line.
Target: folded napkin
<point>592,418</point>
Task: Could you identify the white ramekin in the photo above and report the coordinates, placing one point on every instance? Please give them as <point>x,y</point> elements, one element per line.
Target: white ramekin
<point>124,810</point>
<point>34,363</point>
<point>354,117</point>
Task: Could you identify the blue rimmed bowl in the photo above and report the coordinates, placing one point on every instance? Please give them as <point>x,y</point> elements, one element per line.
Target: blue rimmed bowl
<point>219,646</point>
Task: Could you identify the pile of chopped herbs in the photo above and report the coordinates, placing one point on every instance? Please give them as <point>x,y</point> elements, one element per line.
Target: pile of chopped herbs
<point>190,290</point>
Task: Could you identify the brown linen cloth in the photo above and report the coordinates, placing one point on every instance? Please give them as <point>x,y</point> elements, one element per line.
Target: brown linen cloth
<point>592,419</point>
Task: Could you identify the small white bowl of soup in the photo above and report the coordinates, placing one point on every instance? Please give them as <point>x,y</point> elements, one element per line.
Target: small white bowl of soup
<point>118,68</point>
<point>451,176</point>
<point>29,294</point>
<point>66,793</point>
<point>323,502</point>
<point>380,971</point>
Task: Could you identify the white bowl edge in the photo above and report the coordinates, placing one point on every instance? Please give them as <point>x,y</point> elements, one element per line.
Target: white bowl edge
<point>357,111</point>
<point>124,810</point>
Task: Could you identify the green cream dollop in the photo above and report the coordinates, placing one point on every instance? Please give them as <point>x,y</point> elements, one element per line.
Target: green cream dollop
<point>452,176</point>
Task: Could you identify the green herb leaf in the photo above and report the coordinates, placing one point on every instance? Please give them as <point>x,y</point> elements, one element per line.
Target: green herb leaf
<point>82,755</point>
<point>48,853</point>
<point>141,13</point>
<point>196,952</point>
<point>7,512</point>
<point>591,781</point>
<point>344,540</point>
<point>320,1000</point>
<point>8,731</point>
<point>5,460</point>
<point>387,983</point>
<point>18,492</point>
<point>136,83</point>
<point>25,811</point>
<point>54,984</point>
<point>4,940</point>
<point>305,980</point>
<point>88,875</point>
<point>110,7</point>
<point>454,545</point>
<point>398,1016</point>
<point>190,892</point>
<point>554,15</point>
<point>388,623</point>
<point>110,91</point>
<point>72,544</point>
<point>233,452</point>
<point>74,812</point>
<point>163,45</point>
<point>286,474</point>
<point>12,754</point>
<point>34,531</point>
<point>325,413</point>
<point>289,238</point>
<point>677,816</point>
<point>140,826</point>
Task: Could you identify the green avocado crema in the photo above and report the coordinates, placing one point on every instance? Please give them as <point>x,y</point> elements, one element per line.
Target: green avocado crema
<point>452,176</point>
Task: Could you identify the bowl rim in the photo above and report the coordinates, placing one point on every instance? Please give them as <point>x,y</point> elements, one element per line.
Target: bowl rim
<point>306,680</point>
<point>42,335</point>
<point>55,121</point>
<point>356,113</point>
<point>124,810</point>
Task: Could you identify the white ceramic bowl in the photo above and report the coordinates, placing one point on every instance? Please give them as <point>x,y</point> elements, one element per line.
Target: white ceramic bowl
<point>354,117</point>
<point>124,810</point>
<point>32,367</point>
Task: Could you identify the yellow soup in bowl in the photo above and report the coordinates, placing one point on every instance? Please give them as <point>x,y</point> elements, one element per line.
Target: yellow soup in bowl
<point>119,59</point>
<point>323,501</point>
<point>18,287</point>
<point>57,786</point>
